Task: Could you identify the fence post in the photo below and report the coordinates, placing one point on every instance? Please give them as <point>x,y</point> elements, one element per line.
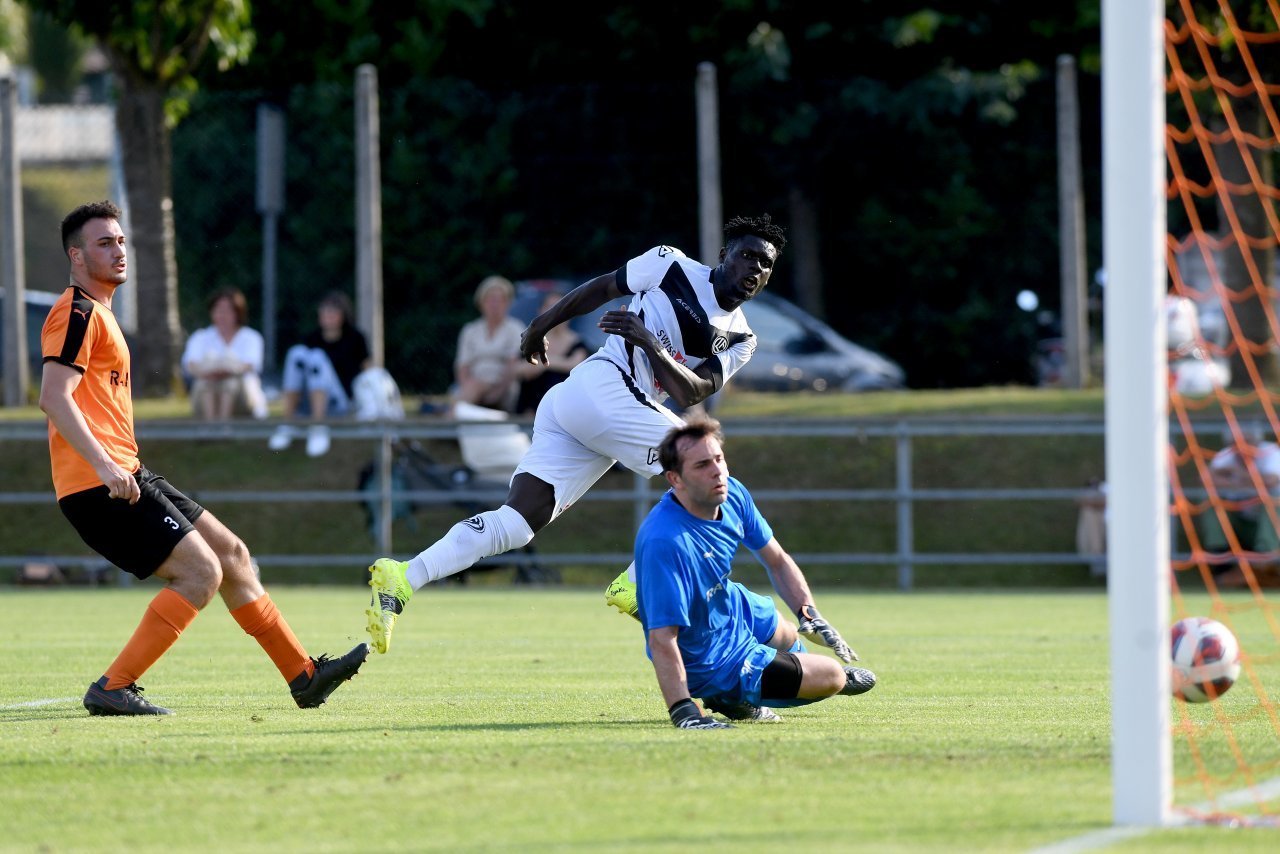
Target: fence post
<point>906,535</point>
<point>385,487</point>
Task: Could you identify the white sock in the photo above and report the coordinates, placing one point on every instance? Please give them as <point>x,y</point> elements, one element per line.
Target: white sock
<point>490,533</point>
<point>631,572</point>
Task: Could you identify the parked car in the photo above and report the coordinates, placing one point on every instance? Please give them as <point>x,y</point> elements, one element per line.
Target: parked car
<point>37,305</point>
<point>794,350</point>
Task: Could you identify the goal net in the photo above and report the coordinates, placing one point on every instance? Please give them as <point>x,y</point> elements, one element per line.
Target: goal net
<point>1221,138</point>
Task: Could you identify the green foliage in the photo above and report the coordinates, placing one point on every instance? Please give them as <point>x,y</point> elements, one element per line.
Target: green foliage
<point>55,53</point>
<point>161,43</point>
<point>924,140</point>
<point>13,30</point>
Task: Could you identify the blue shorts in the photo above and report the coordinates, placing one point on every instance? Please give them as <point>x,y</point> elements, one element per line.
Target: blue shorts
<point>759,613</point>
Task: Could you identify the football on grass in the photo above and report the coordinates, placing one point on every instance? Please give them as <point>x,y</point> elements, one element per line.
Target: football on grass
<point>1206,659</point>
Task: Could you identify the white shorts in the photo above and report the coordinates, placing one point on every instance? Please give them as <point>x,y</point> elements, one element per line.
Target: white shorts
<point>585,424</point>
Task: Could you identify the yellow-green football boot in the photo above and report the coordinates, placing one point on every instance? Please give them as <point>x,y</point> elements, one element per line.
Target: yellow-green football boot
<point>621,594</point>
<point>391,592</point>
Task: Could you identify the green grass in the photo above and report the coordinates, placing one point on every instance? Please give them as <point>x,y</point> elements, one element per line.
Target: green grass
<point>531,721</point>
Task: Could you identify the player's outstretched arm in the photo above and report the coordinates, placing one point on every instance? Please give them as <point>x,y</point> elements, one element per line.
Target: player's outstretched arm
<point>668,665</point>
<point>793,588</point>
<point>582,299</point>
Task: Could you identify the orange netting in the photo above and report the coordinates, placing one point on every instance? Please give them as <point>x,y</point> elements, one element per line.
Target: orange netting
<point>1224,229</point>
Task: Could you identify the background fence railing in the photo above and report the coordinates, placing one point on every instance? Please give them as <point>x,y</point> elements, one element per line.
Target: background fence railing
<point>906,496</point>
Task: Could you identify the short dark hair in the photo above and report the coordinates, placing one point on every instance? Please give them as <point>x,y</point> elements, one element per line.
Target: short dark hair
<point>342,302</point>
<point>73,222</point>
<point>696,428</point>
<point>236,297</point>
<point>761,226</point>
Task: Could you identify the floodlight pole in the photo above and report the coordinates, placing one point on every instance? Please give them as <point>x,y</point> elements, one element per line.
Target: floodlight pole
<point>710,218</point>
<point>12,273</point>
<point>1136,402</point>
<point>270,204</point>
<point>369,213</point>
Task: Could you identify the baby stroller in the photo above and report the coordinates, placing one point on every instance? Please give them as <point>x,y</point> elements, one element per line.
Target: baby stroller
<point>490,451</point>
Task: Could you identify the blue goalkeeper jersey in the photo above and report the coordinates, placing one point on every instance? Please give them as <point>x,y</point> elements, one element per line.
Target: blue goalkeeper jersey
<point>682,579</point>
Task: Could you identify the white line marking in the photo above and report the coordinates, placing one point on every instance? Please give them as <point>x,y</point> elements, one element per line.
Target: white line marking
<point>1092,841</point>
<point>32,704</point>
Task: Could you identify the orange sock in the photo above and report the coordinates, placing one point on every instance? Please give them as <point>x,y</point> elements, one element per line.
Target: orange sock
<point>166,617</point>
<point>264,622</point>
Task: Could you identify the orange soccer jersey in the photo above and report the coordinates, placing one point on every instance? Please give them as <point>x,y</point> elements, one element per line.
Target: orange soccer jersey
<point>82,333</point>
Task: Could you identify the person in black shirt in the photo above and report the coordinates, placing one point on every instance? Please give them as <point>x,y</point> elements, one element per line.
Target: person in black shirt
<point>318,375</point>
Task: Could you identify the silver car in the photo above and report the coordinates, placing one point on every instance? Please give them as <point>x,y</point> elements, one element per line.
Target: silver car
<point>794,350</point>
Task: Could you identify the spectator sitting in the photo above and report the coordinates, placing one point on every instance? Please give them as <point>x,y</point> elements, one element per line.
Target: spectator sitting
<point>565,349</point>
<point>319,373</point>
<point>224,361</point>
<point>489,349</point>
<point>1246,510</point>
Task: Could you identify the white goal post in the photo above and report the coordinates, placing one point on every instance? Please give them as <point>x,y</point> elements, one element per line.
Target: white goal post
<point>1137,433</point>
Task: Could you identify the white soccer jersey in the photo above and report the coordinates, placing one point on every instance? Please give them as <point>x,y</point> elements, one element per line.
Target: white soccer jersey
<point>676,302</point>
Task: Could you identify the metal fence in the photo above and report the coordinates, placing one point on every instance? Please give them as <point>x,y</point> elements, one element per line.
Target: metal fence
<point>906,496</point>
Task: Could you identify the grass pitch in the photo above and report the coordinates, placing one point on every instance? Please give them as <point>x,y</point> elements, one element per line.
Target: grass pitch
<point>530,720</point>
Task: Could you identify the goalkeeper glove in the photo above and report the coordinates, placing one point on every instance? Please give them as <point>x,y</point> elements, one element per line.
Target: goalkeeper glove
<point>818,630</point>
<point>686,715</point>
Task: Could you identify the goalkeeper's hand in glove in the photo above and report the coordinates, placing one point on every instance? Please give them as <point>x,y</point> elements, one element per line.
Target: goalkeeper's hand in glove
<point>818,630</point>
<point>686,715</point>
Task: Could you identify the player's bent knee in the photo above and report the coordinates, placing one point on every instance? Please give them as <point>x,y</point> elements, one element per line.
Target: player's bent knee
<point>234,555</point>
<point>821,676</point>
<point>193,570</point>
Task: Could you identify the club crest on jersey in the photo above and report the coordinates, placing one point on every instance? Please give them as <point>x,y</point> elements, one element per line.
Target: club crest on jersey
<point>475,523</point>
<point>719,344</point>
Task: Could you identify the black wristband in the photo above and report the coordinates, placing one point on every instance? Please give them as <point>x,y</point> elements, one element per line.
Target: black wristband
<point>812,613</point>
<point>679,703</point>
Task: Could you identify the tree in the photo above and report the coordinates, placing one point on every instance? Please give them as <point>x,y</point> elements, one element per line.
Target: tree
<point>910,150</point>
<point>155,47</point>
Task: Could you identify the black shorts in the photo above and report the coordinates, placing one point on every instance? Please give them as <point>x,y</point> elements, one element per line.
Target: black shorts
<point>135,537</point>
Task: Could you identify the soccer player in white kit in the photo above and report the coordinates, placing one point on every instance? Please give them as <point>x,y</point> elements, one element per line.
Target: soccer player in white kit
<point>682,335</point>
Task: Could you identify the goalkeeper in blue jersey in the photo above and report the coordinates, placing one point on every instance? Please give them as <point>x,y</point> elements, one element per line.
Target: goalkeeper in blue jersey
<point>709,636</point>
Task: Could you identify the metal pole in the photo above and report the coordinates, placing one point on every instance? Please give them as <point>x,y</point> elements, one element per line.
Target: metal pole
<point>1075,322</point>
<point>270,287</point>
<point>13,275</point>
<point>385,505</point>
<point>710,210</point>
<point>1137,441</point>
<point>368,213</point>
<point>906,526</point>
<point>270,203</point>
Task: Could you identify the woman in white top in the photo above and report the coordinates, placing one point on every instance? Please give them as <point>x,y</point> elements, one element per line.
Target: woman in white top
<point>489,350</point>
<point>224,361</point>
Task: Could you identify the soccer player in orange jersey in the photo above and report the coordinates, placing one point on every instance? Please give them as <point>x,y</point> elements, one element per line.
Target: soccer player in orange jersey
<point>131,515</point>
